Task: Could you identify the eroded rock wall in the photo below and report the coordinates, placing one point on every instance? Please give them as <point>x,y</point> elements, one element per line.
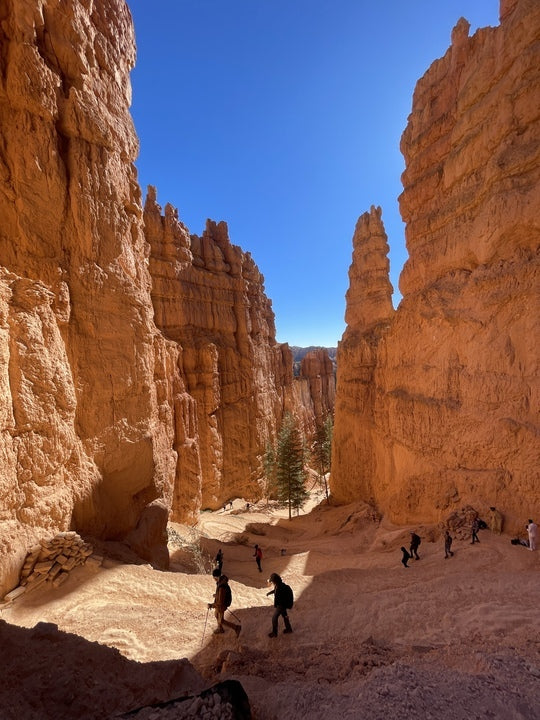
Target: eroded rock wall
<point>317,370</point>
<point>437,403</point>
<point>209,299</point>
<point>81,440</point>
<point>138,373</point>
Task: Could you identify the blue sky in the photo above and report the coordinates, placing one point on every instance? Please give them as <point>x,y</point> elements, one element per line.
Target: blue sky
<point>283,118</point>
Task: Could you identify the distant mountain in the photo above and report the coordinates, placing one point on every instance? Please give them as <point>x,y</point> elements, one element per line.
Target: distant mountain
<point>300,352</point>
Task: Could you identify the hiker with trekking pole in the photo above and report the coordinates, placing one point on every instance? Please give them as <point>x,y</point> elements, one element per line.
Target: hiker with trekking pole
<point>222,601</point>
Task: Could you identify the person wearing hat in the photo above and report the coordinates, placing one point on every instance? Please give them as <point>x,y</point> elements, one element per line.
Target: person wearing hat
<point>222,600</point>
<point>280,604</point>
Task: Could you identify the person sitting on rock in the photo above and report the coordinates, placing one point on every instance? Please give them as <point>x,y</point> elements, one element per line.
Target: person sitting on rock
<point>222,600</point>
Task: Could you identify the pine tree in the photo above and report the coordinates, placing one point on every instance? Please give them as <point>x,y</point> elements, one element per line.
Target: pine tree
<point>270,468</point>
<point>290,460</point>
<point>322,450</point>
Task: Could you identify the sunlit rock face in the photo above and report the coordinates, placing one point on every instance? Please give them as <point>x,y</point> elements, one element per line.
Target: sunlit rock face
<point>235,380</point>
<point>437,403</point>
<point>83,442</point>
<point>317,369</point>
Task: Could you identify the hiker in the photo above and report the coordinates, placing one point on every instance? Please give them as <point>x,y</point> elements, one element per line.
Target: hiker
<point>474,530</point>
<point>447,545</point>
<point>222,600</point>
<point>415,543</point>
<point>495,520</point>
<point>258,557</point>
<point>283,600</point>
<point>532,531</point>
<point>406,556</point>
<point>219,560</point>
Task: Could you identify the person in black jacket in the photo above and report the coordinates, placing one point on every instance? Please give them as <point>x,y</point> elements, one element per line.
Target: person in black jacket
<point>219,560</point>
<point>279,605</point>
<point>405,557</point>
<point>415,544</point>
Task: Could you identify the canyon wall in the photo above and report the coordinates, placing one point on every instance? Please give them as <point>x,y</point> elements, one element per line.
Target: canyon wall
<point>82,442</point>
<point>139,372</point>
<point>437,402</point>
<point>236,381</point>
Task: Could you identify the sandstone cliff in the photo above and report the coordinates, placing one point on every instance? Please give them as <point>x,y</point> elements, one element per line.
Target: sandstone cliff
<point>83,444</point>
<point>437,403</point>
<point>317,369</point>
<point>138,373</point>
<point>234,380</point>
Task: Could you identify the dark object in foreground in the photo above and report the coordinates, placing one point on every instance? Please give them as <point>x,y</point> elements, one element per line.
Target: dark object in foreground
<point>231,693</point>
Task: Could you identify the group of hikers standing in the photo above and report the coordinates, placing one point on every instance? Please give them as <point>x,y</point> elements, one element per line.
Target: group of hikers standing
<point>495,525</point>
<point>283,598</point>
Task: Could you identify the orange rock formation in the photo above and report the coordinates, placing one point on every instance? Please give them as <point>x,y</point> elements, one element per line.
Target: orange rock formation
<point>234,380</point>
<point>137,373</point>
<point>437,402</point>
<point>83,444</point>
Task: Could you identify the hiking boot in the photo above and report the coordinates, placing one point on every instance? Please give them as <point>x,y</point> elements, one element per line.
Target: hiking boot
<point>272,634</point>
<point>287,631</point>
<point>237,630</point>
<point>218,631</point>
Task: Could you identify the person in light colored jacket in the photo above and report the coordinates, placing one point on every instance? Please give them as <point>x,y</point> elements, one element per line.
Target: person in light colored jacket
<point>532,531</point>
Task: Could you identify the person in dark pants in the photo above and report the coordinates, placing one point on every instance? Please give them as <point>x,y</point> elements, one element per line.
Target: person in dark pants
<point>219,560</point>
<point>222,600</point>
<point>258,557</point>
<point>474,531</point>
<point>406,556</point>
<point>447,545</point>
<point>279,605</point>
<point>415,543</point>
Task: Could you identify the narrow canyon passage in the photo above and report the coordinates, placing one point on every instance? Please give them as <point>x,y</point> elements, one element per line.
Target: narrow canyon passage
<point>459,633</point>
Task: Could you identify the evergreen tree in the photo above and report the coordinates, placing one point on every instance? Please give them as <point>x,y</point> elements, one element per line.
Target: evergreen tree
<point>322,450</point>
<point>290,460</point>
<point>270,467</point>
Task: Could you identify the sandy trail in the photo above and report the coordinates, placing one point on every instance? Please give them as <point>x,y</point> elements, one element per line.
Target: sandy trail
<point>456,638</point>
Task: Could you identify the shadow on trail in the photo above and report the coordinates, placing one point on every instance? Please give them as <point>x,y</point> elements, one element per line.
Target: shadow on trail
<point>50,673</point>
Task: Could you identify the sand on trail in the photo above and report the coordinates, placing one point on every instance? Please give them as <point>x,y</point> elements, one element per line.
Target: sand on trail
<point>444,638</point>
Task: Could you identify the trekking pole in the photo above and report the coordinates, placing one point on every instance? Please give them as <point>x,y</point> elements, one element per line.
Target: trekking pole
<point>236,616</point>
<point>206,620</point>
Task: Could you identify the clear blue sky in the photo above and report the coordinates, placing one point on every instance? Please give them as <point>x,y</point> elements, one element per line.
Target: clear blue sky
<point>283,118</point>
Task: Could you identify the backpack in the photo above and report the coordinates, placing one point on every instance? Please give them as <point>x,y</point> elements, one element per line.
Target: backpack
<point>288,597</point>
<point>228,595</point>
